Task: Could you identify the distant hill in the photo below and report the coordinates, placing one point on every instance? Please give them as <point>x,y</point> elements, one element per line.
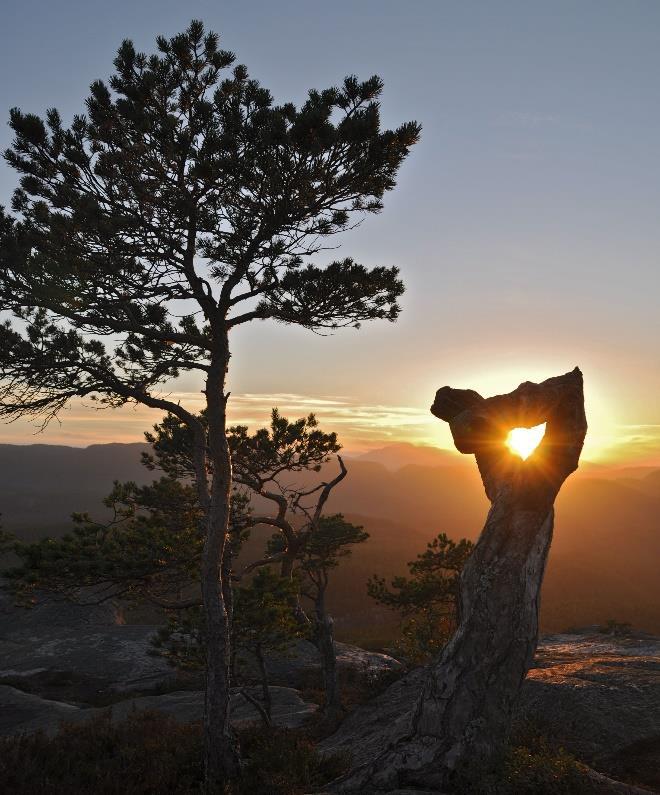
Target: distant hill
<point>603,561</point>
<point>42,484</point>
<point>395,456</point>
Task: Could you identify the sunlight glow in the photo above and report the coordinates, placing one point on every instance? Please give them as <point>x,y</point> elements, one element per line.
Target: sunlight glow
<point>523,441</point>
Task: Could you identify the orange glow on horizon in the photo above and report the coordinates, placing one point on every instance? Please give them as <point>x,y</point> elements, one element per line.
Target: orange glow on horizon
<point>361,426</point>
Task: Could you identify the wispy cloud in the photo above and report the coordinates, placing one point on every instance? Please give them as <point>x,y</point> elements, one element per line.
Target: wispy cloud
<point>639,443</point>
<point>360,426</point>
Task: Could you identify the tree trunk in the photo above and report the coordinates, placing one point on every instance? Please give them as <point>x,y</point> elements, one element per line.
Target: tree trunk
<point>286,567</point>
<point>325,643</point>
<point>467,701</point>
<point>220,754</point>
<point>286,572</point>
<point>228,596</point>
<point>265,690</point>
<point>259,707</point>
<point>461,721</point>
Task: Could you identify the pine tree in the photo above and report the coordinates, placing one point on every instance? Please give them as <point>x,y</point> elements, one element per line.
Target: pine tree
<point>325,547</point>
<point>305,542</point>
<point>262,623</point>
<point>150,549</point>
<point>428,599</point>
<point>184,204</point>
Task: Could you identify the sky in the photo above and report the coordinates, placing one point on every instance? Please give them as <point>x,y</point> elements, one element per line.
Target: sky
<point>525,222</point>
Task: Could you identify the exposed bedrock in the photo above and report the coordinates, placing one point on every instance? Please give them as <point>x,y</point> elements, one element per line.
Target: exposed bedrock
<point>596,696</point>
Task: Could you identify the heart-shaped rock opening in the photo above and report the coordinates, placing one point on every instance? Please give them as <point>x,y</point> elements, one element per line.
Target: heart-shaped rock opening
<point>523,441</point>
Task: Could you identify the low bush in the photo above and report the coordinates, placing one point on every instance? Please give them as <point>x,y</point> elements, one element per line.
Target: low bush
<point>285,762</point>
<point>149,753</point>
<point>145,753</point>
<point>536,768</point>
<point>543,771</point>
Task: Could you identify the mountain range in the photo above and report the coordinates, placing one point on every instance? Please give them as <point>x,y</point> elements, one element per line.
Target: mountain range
<point>603,563</point>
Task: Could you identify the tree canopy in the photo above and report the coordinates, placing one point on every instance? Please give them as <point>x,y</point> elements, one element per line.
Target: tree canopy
<point>150,547</point>
<point>182,204</point>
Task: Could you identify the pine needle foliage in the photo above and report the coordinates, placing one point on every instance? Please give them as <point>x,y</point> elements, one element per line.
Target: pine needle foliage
<point>427,599</point>
<point>182,203</point>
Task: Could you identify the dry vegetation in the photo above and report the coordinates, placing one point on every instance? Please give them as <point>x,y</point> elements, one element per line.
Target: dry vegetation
<point>150,753</point>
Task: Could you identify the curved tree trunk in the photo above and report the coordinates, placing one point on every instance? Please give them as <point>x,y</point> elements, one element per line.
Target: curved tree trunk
<point>461,720</point>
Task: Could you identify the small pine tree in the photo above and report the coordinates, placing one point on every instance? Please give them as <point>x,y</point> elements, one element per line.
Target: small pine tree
<point>262,623</point>
<point>427,599</point>
<point>331,541</point>
<point>151,548</point>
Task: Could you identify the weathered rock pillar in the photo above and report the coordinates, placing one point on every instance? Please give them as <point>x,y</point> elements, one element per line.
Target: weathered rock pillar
<point>462,717</point>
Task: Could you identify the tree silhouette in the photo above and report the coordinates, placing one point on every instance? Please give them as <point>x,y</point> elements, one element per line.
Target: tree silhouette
<point>305,541</point>
<point>262,623</point>
<point>181,206</point>
<point>331,540</point>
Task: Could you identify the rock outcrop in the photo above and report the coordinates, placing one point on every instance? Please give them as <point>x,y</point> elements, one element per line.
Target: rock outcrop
<point>64,651</point>
<point>458,724</point>
<point>60,642</point>
<point>294,666</point>
<point>59,661</point>
<point>596,696</point>
<point>25,712</point>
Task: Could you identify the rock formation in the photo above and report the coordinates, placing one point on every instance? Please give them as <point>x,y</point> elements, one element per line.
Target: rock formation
<point>26,712</point>
<point>596,696</point>
<point>60,661</point>
<point>462,716</point>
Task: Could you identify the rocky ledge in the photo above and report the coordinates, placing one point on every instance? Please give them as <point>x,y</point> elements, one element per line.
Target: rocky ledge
<point>64,662</point>
<point>595,695</point>
<point>26,712</point>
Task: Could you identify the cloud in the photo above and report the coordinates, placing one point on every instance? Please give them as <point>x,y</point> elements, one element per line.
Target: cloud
<point>360,426</point>
<point>639,443</point>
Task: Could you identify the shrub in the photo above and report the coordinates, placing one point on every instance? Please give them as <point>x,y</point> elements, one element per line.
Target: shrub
<point>536,768</point>
<point>543,771</point>
<point>285,762</point>
<point>616,628</point>
<point>145,753</point>
<point>149,753</point>
<point>427,600</point>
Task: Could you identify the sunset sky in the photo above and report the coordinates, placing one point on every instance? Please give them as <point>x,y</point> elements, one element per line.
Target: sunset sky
<point>526,223</point>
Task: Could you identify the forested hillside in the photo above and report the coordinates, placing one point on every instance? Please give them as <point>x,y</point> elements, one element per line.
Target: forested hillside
<point>603,562</point>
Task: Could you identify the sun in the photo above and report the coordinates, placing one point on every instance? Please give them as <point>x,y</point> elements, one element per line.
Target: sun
<point>523,441</point>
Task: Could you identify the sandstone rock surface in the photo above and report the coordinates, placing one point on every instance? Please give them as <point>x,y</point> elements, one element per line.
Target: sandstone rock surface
<point>59,649</point>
